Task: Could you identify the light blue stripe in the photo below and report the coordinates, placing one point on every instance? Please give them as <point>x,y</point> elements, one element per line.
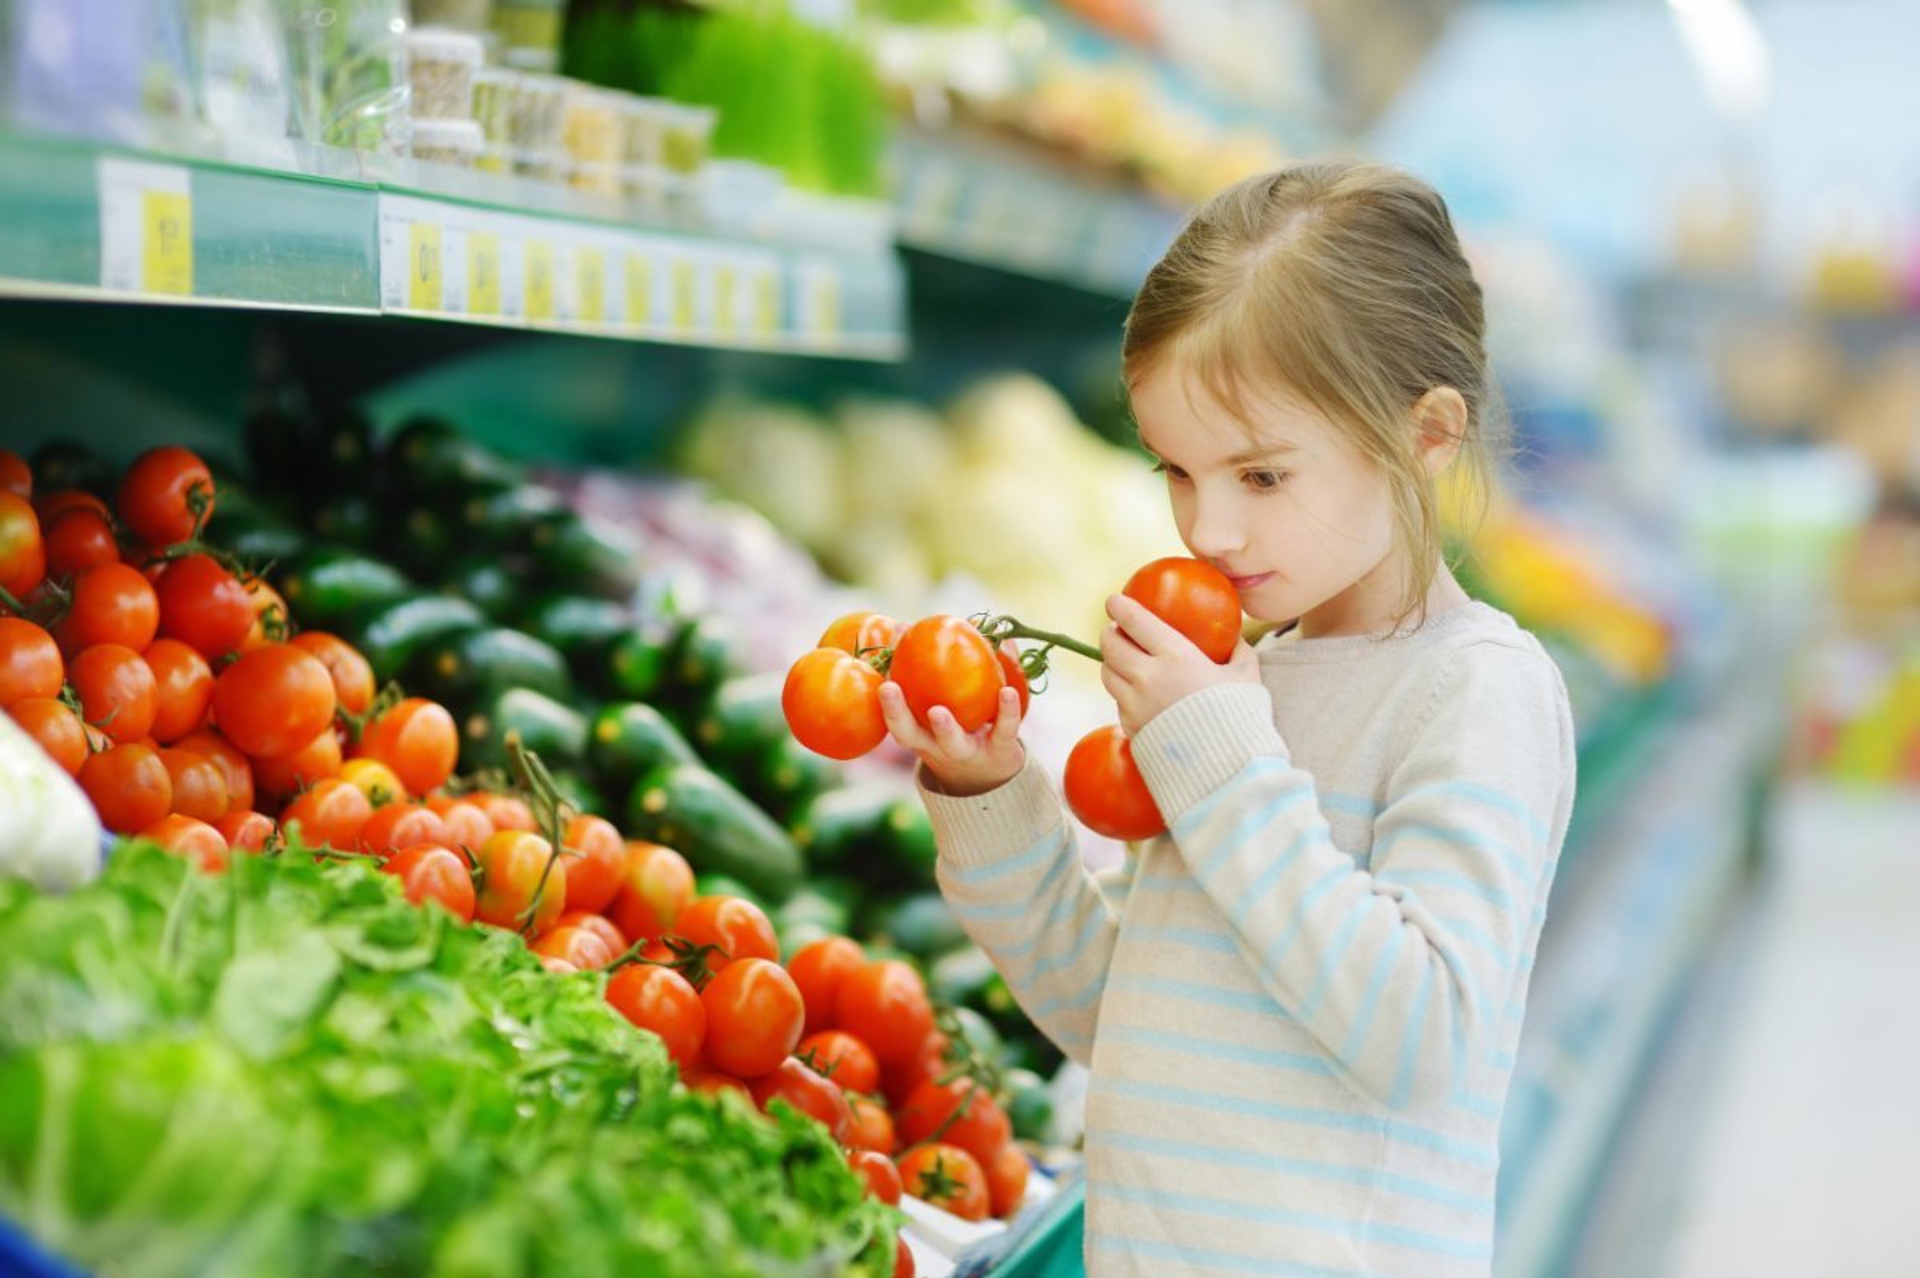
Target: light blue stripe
<point>1225,1156</point>
<point>1489,797</point>
<point>1186,1044</point>
<point>1370,1001</point>
<point>1069,957</point>
<point>1448,879</point>
<point>1057,915</point>
<point>1168,883</point>
<point>1333,1119</point>
<point>1270,875</point>
<point>1193,938</point>
<point>1293,1218</point>
<point>1079,1000</point>
<point>1308,899</point>
<point>1330,963</point>
<point>1196,1257</point>
<point>1214,995</point>
<point>993,913</point>
<point>1481,1106</point>
<point>1501,1059</point>
<point>1051,845</point>
<point>1351,804</point>
<point>1258,766</point>
<point>1244,831</point>
<point>1410,1045</point>
<point>1480,937</point>
<point>1523,870</point>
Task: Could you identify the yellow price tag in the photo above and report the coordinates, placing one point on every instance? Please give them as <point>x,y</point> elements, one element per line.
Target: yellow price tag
<point>639,289</point>
<point>483,273</point>
<point>723,282</point>
<point>683,300</point>
<point>539,281</point>
<point>766,303</point>
<point>166,264</point>
<point>825,318</point>
<point>590,292</point>
<point>426,287</point>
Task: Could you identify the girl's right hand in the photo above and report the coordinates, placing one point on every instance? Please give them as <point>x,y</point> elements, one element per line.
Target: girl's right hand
<point>963,763</point>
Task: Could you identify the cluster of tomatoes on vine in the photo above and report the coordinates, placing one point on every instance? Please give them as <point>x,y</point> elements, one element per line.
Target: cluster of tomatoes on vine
<point>832,693</point>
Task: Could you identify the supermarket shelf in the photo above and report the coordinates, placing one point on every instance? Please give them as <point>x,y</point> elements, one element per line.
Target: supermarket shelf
<point>989,204</point>
<point>84,221</point>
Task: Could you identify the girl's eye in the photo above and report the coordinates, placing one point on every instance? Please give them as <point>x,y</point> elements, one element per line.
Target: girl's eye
<point>1173,473</point>
<point>1265,480</point>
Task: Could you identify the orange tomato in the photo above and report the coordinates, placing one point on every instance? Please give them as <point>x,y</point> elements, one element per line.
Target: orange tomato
<point>596,862</point>
<point>190,838</point>
<point>330,815</point>
<point>523,886</point>
<point>655,887</point>
<point>129,786</point>
<point>418,740</point>
<point>199,788</point>
<point>183,688</point>
<point>55,728</point>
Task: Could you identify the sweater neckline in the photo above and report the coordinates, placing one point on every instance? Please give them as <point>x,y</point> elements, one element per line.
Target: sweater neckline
<point>1288,647</point>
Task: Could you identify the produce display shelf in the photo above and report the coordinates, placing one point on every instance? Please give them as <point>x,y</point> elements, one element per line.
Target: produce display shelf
<point>989,204</point>
<point>327,235</point>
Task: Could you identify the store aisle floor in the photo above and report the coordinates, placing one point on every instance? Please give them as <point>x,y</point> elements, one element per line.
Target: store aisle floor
<point>1777,1133</point>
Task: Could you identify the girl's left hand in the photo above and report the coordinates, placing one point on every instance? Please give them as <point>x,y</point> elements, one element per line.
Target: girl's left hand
<point>1147,665</point>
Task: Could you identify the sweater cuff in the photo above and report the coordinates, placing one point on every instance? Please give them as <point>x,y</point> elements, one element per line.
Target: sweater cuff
<point>983,828</point>
<point>1203,740</point>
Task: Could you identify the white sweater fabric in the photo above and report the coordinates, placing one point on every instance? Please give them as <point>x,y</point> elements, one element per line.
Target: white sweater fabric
<point>1300,1005</point>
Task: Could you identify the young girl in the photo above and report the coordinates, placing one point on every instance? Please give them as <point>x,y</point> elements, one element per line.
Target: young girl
<point>1300,1005</point>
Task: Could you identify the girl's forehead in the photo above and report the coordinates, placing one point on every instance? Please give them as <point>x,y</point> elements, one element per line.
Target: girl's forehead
<point>1175,408</point>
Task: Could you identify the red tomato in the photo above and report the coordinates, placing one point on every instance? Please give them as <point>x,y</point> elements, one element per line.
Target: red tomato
<point>79,540</point>
<point>817,968</point>
<point>30,664</point>
<point>164,496</point>
<point>51,505</point>
<point>899,1079</point>
<point>1007,1179</point>
<point>1015,675</point>
<point>23,552</point>
<point>859,632</point>
<point>711,1081</point>
<point>512,864</point>
<point>754,1016</point>
<point>838,1055</point>
<point>467,826</point>
<point>273,701</point>
<point>199,787</point>
<point>902,1258</point>
<point>580,946</point>
<point>505,811</point>
<point>791,1081</point>
<point>116,690</point>
<point>129,787</point>
<point>944,661</point>
<point>875,1168</point>
<point>832,703</point>
<point>190,838</point>
<point>871,1127</point>
<point>559,967</point>
<point>1194,598</point>
<point>1104,788</point>
<point>948,1177</point>
<point>737,926</point>
<point>203,606</point>
<point>232,764</point>
<point>971,1118</point>
<point>418,740</point>
<point>598,924</point>
<point>55,728</point>
<point>596,862</point>
<point>270,615</point>
<point>289,774</point>
<point>352,676</point>
<point>16,476</point>
<point>245,831</point>
<point>660,1001</point>
<point>656,885</point>
<point>884,1004</point>
<point>329,815</point>
<point>182,688</point>
<point>378,782</point>
<point>430,873</point>
<point>400,825</point>
<point>112,603</point>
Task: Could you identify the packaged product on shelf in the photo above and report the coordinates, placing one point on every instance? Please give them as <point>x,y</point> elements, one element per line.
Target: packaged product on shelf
<point>591,132</point>
<point>240,58</point>
<point>349,73</point>
<point>440,66</point>
<point>535,119</point>
<point>88,67</point>
<point>643,128</point>
<point>462,15</point>
<point>447,142</point>
<point>688,136</point>
<point>529,32</point>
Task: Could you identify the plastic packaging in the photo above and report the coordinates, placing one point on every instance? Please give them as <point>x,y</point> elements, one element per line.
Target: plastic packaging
<point>240,54</point>
<point>493,90</point>
<point>349,72</point>
<point>462,15</point>
<point>591,129</point>
<point>447,142</point>
<point>529,32</point>
<point>688,135</point>
<point>88,67</point>
<point>643,128</point>
<point>440,66</point>
<point>534,124</point>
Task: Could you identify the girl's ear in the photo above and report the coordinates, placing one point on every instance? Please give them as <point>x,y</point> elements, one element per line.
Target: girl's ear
<point>1440,423</point>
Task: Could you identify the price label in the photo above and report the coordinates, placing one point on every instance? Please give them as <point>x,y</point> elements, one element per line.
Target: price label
<point>146,227</point>
<point>685,302</point>
<point>590,285</point>
<point>766,303</point>
<point>820,314</point>
<point>483,273</point>
<point>639,290</point>
<point>540,281</point>
<point>725,281</point>
<point>426,272</point>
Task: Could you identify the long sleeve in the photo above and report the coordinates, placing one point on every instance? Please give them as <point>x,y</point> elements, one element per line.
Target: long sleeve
<point>1010,868</point>
<point>1399,960</point>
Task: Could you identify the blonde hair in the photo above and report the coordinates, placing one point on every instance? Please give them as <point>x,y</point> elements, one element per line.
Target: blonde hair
<point>1344,284</point>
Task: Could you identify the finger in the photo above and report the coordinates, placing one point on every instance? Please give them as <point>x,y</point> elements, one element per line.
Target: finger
<point>948,735</point>
<point>1006,724</point>
<point>1244,661</point>
<point>1117,687</point>
<point>900,721</point>
<point>1144,627</point>
<point>1119,654</point>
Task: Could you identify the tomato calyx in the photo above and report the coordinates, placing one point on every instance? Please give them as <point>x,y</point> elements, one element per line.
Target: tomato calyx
<point>819,1064</point>
<point>694,962</point>
<point>550,813</point>
<point>965,1061</point>
<point>389,696</point>
<point>935,1184</point>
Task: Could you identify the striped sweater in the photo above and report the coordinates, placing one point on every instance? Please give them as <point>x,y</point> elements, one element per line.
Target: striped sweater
<point>1300,1006</point>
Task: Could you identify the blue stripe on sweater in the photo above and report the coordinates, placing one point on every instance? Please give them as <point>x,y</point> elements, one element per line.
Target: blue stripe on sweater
<point>1269,875</point>
<point>1410,1045</point>
<point>1245,830</point>
<point>1193,938</point>
<point>1185,1044</point>
<point>1293,1218</point>
<point>1259,766</point>
<point>1370,1001</point>
<point>1330,962</point>
<point>1448,879</point>
<point>1277,952</point>
<point>1213,995</point>
<point>1051,845</point>
<point>1202,1258</point>
<point>1479,1205</point>
<point>1522,870</point>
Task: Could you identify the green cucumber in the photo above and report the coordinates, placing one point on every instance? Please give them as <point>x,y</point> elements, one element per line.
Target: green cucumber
<point>703,653</point>
<point>344,454</point>
<point>637,665</point>
<point>351,519</point>
<point>874,829</point>
<point>590,556</point>
<point>789,777</point>
<point>262,544</point>
<point>583,629</point>
<point>922,924</point>
<point>629,739</point>
<point>327,586</point>
<point>503,518</point>
<point>1029,1105</point>
<point>424,538</point>
<point>430,455</point>
<point>388,634</point>
<point>577,792</point>
<point>741,721</point>
<point>484,581</point>
<point>454,667</point>
<point>815,911</point>
<point>555,732</point>
<point>715,827</point>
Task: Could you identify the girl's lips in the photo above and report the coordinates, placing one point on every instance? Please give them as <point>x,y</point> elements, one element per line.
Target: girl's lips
<point>1244,584</point>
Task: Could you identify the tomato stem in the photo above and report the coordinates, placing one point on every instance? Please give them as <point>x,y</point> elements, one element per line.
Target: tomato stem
<point>11,604</point>
<point>1000,629</point>
<point>547,804</point>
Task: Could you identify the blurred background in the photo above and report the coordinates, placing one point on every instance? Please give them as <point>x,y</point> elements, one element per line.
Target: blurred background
<point>819,302</point>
